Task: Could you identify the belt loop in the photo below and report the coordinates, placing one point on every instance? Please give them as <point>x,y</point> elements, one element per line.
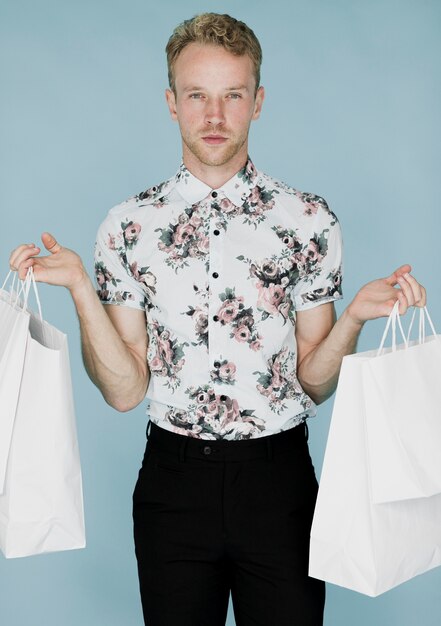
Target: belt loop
<point>149,426</point>
<point>269,448</point>
<point>182,448</point>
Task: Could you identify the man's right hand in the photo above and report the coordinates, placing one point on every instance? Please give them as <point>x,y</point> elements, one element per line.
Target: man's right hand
<point>114,339</point>
<point>61,267</point>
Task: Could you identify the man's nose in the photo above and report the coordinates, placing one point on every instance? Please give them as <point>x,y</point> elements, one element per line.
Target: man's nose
<point>214,113</point>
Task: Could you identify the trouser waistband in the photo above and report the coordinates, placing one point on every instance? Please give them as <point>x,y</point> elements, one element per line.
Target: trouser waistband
<point>224,450</point>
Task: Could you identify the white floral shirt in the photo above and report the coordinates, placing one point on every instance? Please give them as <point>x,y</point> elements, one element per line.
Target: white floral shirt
<point>220,274</point>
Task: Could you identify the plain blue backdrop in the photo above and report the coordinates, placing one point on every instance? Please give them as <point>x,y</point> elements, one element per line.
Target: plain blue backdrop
<point>352,114</point>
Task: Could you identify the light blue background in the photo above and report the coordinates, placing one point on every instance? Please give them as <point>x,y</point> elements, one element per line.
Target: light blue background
<point>352,113</point>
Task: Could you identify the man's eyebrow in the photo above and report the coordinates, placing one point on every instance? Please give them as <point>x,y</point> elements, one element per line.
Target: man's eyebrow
<point>238,88</point>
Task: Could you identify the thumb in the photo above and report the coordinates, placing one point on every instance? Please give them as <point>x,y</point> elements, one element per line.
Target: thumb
<point>393,278</point>
<point>50,243</point>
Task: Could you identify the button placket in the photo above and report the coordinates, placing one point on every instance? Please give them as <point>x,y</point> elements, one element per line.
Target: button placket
<point>215,283</point>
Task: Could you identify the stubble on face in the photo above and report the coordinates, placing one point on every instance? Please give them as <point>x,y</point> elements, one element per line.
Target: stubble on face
<point>221,154</point>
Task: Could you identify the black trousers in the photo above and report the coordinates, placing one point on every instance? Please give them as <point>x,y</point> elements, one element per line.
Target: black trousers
<point>214,517</point>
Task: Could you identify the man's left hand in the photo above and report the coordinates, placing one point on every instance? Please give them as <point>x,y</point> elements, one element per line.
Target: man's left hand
<point>377,298</point>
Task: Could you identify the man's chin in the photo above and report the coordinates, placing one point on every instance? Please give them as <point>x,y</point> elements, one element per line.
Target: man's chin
<point>214,156</point>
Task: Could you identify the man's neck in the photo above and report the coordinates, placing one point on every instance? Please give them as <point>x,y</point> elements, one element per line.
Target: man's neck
<point>214,175</point>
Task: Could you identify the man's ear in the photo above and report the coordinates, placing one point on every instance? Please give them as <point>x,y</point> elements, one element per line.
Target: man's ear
<point>171,102</point>
<point>258,102</point>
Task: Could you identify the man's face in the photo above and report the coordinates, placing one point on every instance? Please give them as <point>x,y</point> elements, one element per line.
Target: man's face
<point>214,103</point>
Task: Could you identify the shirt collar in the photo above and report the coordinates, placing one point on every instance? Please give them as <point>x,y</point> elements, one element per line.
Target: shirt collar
<point>237,189</point>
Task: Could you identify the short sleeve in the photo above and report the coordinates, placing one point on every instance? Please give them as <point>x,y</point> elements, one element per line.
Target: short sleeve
<point>113,271</point>
<point>320,263</point>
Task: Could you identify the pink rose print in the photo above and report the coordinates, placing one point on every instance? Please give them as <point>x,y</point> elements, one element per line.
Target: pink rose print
<point>220,416</point>
<point>279,382</point>
<point>183,421</point>
<point>271,281</point>
<point>195,220</point>
<point>102,274</point>
<point>203,245</point>
<point>182,233</point>
<point>255,205</point>
<point>232,312</point>
<point>199,315</point>
<point>258,202</point>
<point>104,279</point>
<point>155,364</point>
<point>131,232</point>
<point>313,252</point>
<point>165,356</point>
<point>269,298</point>
<point>144,276</point>
<point>186,239</point>
<point>313,203</point>
<point>284,308</point>
<point>226,205</point>
<point>224,373</point>
<point>289,238</point>
<point>151,192</point>
<point>227,371</point>
<point>242,334</point>
<point>229,310</point>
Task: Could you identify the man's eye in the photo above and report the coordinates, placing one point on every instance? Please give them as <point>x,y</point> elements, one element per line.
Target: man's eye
<point>235,96</point>
<point>195,96</point>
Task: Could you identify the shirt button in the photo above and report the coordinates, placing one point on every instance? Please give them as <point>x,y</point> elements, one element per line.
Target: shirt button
<point>223,398</point>
<point>216,232</point>
<point>207,450</point>
<point>214,194</point>
<point>216,318</point>
<point>215,275</point>
<point>216,364</point>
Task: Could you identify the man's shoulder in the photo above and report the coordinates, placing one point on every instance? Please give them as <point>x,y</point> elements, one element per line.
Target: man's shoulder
<point>156,195</point>
<point>304,202</point>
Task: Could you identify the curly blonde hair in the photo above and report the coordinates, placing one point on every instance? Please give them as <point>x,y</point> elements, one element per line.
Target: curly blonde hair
<point>215,29</point>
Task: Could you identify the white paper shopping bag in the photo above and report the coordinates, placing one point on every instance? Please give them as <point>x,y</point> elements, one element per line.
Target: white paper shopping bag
<point>355,542</point>
<point>402,391</point>
<point>41,507</point>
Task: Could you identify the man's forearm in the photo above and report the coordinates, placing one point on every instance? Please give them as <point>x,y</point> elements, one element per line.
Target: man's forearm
<point>319,370</point>
<point>117,371</point>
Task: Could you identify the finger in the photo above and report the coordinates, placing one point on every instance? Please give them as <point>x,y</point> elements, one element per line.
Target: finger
<point>416,289</point>
<point>24,267</point>
<point>404,305</point>
<point>423,300</point>
<point>15,253</point>
<point>408,289</point>
<point>50,243</point>
<point>393,278</point>
<point>22,253</point>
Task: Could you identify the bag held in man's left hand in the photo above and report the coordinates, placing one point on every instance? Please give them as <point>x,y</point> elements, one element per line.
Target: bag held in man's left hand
<point>377,521</point>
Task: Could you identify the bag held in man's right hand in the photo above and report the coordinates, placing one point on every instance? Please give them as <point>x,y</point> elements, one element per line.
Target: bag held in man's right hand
<point>41,498</point>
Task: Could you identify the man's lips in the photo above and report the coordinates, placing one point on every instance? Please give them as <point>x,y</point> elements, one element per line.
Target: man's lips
<point>214,140</point>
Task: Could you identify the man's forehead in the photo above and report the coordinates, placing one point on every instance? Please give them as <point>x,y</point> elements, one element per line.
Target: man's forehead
<point>196,53</point>
<point>198,62</point>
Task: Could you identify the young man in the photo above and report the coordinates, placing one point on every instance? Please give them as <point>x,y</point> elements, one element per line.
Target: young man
<point>224,281</point>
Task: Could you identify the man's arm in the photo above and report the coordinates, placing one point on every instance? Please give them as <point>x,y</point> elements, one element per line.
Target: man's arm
<point>114,345</point>
<point>114,339</point>
<point>322,342</point>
